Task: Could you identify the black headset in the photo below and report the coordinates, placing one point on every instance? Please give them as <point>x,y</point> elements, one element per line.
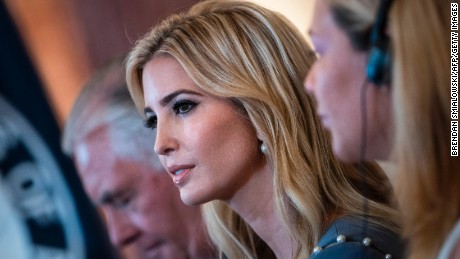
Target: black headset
<point>378,72</point>
<point>379,63</point>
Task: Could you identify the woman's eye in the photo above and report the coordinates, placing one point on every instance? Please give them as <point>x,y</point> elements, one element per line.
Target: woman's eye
<point>182,107</point>
<point>318,52</point>
<point>151,122</point>
<point>318,55</point>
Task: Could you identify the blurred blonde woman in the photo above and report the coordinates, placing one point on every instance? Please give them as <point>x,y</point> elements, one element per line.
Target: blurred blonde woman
<point>397,54</point>
<point>222,87</point>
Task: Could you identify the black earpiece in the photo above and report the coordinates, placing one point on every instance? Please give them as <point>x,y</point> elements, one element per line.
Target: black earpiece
<point>379,63</point>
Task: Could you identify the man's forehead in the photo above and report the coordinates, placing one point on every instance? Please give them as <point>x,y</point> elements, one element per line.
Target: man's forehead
<point>102,179</point>
<point>95,167</point>
<point>101,183</point>
<point>82,155</point>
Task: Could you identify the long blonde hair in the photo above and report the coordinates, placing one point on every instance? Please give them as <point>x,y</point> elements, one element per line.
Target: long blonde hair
<point>427,176</point>
<point>257,59</point>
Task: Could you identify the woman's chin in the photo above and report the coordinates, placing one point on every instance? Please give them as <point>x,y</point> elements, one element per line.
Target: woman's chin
<point>192,199</point>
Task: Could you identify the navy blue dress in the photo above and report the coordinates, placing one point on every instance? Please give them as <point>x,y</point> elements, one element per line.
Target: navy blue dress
<point>345,239</point>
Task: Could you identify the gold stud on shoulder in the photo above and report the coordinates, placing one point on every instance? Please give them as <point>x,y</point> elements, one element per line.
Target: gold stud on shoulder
<point>341,239</point>
<point>367,241</point>
<point>317,249</point>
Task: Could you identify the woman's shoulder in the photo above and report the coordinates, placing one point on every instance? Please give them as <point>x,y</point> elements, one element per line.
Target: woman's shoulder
<point>351,237</point>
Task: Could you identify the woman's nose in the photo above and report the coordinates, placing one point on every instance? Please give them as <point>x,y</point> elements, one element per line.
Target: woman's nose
<point>165,142</point>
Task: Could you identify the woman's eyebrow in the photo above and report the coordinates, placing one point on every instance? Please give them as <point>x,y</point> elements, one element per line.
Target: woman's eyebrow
<point>168,98</point>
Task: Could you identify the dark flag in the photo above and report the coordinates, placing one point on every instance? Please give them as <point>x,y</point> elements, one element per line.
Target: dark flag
<point>38,180</point>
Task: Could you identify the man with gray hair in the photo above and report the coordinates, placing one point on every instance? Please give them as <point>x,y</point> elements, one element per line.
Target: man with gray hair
<point>114,155</point>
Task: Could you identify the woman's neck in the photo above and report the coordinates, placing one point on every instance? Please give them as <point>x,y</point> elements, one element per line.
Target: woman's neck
<point>254,202</point>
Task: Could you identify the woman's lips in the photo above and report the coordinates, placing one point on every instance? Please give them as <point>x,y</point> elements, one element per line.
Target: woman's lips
<point>180,174</point>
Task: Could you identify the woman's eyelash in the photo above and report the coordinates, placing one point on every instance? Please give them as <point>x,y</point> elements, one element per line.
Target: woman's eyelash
<point>180,108</point>
<point>151,122</point>
<point>183,106</point>
<point>318,52</point>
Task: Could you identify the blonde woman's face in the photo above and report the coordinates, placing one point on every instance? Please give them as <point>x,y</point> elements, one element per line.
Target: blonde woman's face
<point>208,147</point>
<point>336,81</point>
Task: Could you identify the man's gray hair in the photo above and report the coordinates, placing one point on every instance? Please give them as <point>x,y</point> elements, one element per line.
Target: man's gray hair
<point>105,101</point>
